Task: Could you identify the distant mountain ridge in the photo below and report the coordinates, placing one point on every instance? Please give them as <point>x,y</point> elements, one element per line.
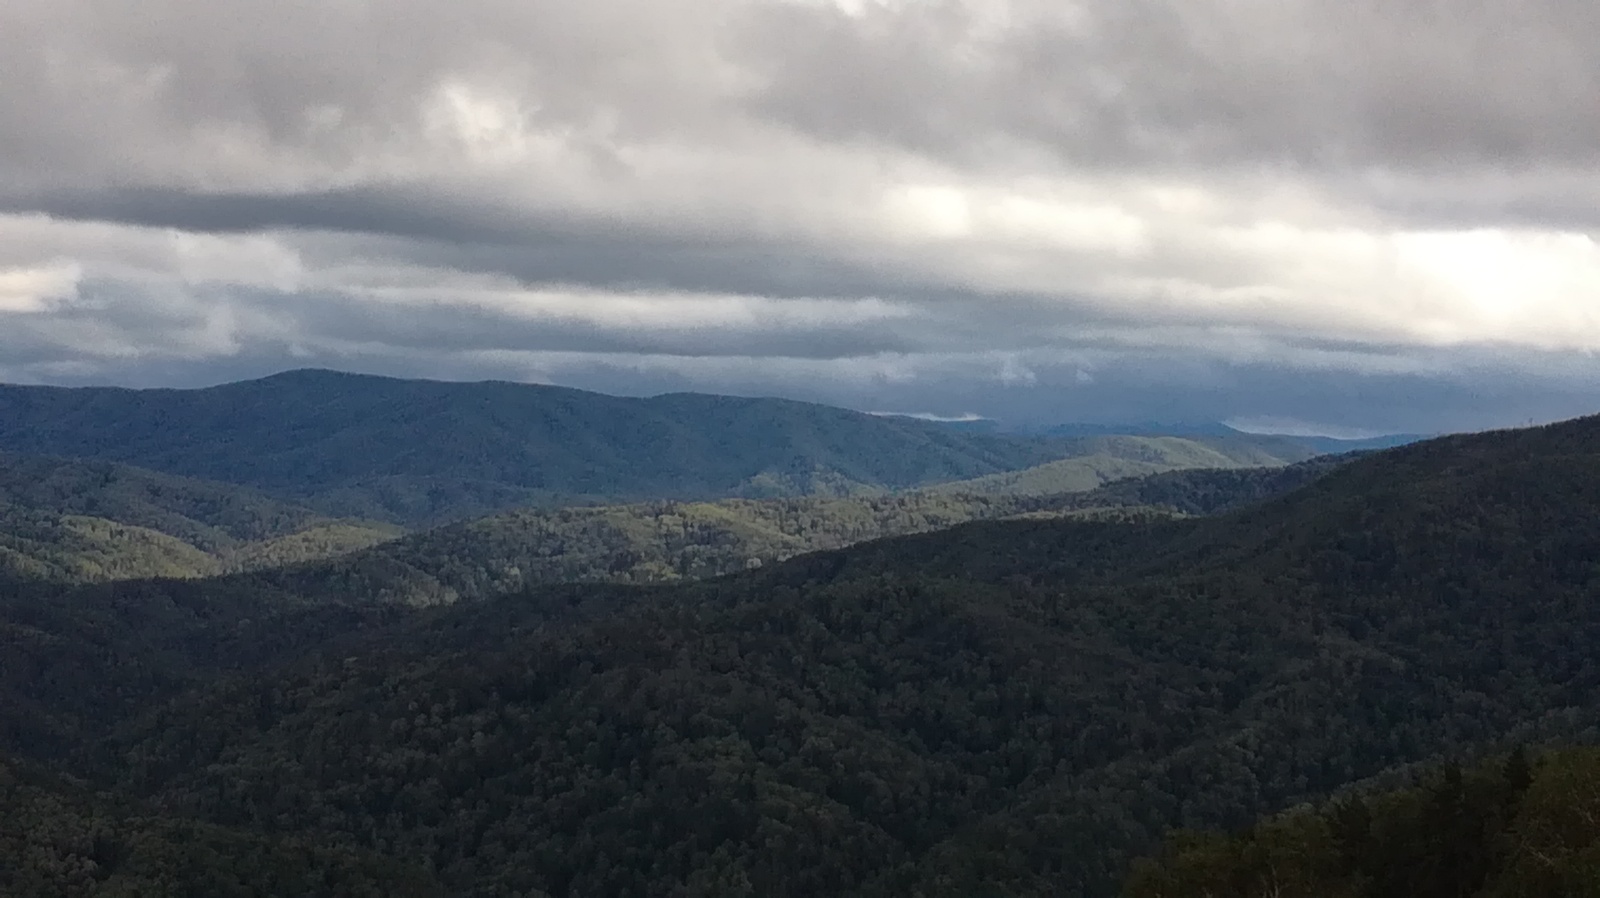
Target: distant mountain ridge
<point>1323,444</point>
<point>422,452</point>
<point>1105,459</point>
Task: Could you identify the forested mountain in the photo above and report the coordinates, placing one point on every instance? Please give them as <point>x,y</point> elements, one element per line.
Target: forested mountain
<point>666,541</point>
<point>1503,829</point>
<point>1002,708</point>
<point>418,451</point>
<point>83,520</point>
<point>210,516</point>
<point>422,452</point>
<point>158,636</point>
<point>59,840</point>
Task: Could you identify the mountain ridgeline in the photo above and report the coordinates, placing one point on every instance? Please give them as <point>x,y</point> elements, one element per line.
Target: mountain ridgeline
<point>422,452</point>
<point>1004,707</point>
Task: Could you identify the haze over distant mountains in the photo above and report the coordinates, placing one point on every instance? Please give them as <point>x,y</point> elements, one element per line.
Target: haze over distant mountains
<point>417,452</point>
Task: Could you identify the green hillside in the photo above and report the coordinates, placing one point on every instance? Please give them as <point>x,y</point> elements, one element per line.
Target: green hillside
<point>422,452</point>
<point>78,549</point>
<point>1001,708</point>
<point>212,517</point>
<point>77,521</point>
<point>667,541</point>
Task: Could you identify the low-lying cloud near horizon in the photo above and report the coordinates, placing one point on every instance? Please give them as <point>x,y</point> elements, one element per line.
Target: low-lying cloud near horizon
<point>1368,215</point>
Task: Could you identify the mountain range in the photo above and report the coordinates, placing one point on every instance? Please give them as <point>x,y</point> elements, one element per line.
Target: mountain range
<point>418,453</point>
<point>1016,685</point>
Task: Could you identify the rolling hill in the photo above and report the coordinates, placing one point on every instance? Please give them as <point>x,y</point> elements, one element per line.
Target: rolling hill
<point>76,521</point>
<point>662,542</point>
<point>1001,708</point>
<point>152,635</point>
<point>85,520</point>
<point>423,452</point>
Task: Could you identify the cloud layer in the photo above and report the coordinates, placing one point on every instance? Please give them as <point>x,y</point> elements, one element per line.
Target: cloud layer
<point>1372,214</point>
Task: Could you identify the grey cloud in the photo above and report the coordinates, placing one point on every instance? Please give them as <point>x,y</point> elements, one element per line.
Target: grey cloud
<point>706,147</point>
<point>453,328</point>
<point>109,318</point>
<point>1413,84</point>
<point>328,82</point>
<point>476,233</point>
<point>1410,84</point>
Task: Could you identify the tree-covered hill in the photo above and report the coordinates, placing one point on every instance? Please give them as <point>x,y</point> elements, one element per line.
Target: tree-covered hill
<point>83,520</point>
<point>157,637</point>
<point>667,541</point>
<point>420,452</point>
<point>1001,708</point>
<point>1501,829</point>
<point>60,840</point>
<point>210,516</point>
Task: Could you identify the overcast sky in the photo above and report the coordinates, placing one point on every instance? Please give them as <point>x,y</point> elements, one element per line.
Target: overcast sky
<point>1355,215</point>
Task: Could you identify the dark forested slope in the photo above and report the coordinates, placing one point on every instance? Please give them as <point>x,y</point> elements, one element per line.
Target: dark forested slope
<point>59,840</point>
<point>1005,708</point>
<point>1507,828</point>
<point>78,657</point>
<point>667,541</point>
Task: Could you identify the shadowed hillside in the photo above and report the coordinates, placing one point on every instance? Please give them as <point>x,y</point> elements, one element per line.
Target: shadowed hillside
<point>662,542</point>
<point>1001,708</point>
<point>60,840</point>
<point>1507,828</point>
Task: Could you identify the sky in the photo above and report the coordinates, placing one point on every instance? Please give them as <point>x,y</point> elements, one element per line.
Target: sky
<point>1339,216</point>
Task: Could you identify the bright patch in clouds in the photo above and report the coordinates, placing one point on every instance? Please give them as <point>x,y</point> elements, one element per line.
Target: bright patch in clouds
<point>32,289</point>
